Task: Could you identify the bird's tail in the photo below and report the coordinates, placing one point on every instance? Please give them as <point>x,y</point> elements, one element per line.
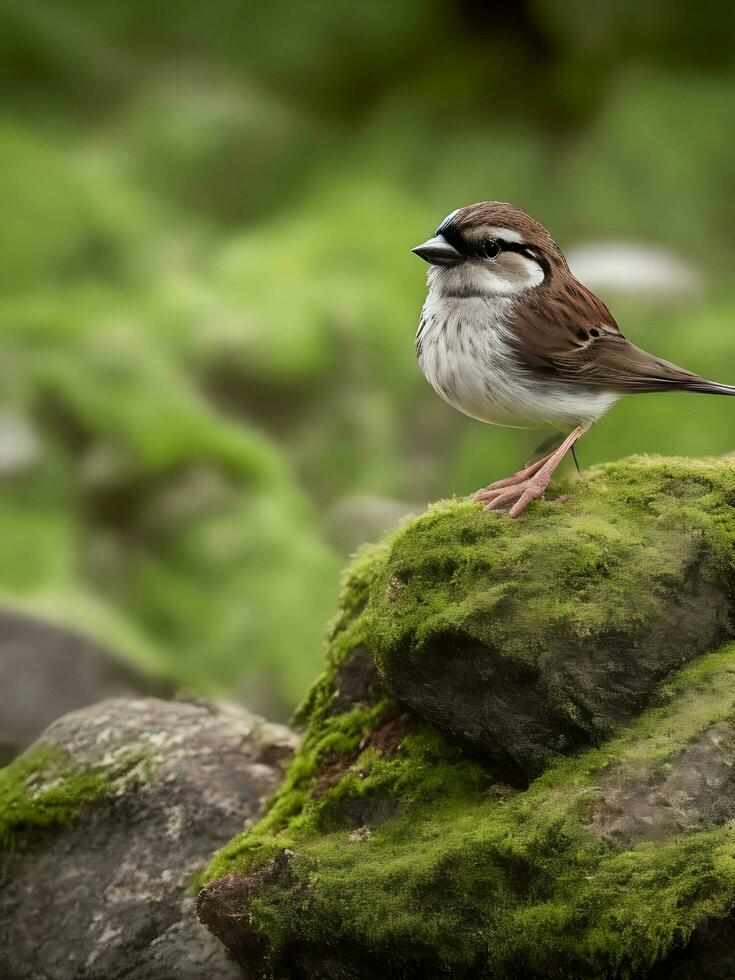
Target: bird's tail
<point>704,387</point>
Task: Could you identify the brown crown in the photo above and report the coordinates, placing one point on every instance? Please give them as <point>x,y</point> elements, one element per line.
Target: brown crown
<point>503,216</point>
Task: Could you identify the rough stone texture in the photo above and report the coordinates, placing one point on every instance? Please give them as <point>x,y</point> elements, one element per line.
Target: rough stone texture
<point>110,895</point>
<point>357,681</point>
<point>593,629</point>
<point>695,787</point>
<point>47,672</point>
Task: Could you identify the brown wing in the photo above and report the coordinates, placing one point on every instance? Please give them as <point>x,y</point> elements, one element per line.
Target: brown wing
<point>566,333</point>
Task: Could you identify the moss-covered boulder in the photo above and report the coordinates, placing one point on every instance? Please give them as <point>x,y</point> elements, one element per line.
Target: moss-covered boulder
<point>524,641</point>
<point>399,848</point>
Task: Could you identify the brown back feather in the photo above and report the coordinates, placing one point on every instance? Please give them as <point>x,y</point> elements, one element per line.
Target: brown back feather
<point>563,331</point>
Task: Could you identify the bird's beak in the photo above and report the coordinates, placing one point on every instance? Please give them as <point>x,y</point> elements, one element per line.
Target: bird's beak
<point>438,251</point>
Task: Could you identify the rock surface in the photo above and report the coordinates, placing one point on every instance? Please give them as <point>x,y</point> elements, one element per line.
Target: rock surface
<point>392,850</point>
<point>116,808</point>
<point>48,671</point>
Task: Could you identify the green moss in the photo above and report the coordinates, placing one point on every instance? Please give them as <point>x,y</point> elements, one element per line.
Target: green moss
<point>471,612</point>
<point>44,788</point>
<point>417,858</point>
<point>474,877</point>
<point>631,528</point>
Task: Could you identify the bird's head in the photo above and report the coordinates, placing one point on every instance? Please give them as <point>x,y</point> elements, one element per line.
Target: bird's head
<point>489,249</point>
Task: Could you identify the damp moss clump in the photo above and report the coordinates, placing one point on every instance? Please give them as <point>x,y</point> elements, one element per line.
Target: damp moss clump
<point>397,846</point>
<point>46,788</point>
<point>43,789</point>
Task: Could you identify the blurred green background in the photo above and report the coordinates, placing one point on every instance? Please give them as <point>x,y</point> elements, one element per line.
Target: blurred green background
<point>208,300</point>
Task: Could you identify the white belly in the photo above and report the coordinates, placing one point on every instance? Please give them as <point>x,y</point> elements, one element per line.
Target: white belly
<point>464,351</point>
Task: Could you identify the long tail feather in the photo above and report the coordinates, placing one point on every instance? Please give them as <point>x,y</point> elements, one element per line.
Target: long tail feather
<point>704,387</point>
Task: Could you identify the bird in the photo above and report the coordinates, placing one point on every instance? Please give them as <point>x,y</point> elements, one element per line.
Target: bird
<point>509,336</point>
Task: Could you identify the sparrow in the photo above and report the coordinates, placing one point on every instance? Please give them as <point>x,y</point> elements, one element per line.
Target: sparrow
<point>507,335</point>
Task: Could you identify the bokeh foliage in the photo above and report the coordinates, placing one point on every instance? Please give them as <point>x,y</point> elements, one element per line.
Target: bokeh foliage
<point>208,300</point>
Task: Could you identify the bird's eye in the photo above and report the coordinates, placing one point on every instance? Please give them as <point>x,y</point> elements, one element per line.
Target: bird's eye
<point>490,248</point>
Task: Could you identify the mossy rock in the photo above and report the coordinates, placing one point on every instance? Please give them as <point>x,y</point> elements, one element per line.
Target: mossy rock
<point>526,640</point>
<point>104,821</point>
<point>392,850</point>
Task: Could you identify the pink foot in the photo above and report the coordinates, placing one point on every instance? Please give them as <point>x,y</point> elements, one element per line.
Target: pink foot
<point>487,493</point>
<point>519,494</point>
<point>529,484</point>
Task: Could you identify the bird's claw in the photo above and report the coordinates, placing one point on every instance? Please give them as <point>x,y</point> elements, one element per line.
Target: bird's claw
<point>518,495</point>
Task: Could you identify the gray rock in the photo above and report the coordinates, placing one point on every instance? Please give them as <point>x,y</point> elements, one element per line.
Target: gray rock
<point>48,671</point>
<point>110,895</point>
<point>695,788</point>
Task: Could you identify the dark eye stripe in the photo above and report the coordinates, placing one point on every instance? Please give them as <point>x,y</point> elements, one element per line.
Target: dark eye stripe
<point>476,250</point>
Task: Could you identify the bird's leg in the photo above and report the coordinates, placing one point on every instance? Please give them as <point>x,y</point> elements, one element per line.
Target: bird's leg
<point>528,484</point>
<point>546,447</point>
<point>539,456</point>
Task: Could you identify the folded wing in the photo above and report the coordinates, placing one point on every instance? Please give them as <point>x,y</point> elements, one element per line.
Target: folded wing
<point>565,333</point>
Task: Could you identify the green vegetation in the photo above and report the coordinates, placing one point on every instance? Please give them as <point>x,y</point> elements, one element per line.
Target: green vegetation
<point>404,851</point>
<point>149,518</point>
<point>43,789</point>
<point>208,300</point>
<point>511,881</point>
